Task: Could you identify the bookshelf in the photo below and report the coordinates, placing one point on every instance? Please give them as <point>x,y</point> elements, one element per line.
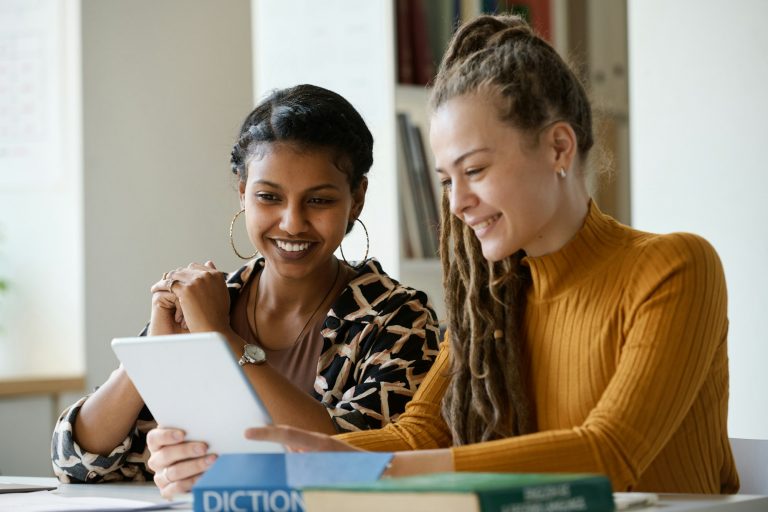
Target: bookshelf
<point>352,48</point>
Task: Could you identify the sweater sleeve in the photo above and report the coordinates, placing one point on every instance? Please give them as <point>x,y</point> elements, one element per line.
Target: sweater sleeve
<point>421,425</point>
<point>676,323</point>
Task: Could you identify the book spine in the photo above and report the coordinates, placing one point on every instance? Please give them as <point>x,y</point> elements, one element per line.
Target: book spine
<point>277,499</point>
<point>404,42</point>
<point>593,495</point>
<point>431,221</point>
<point>409,218</point>
<point>417,194</point>
<point>423,63</point>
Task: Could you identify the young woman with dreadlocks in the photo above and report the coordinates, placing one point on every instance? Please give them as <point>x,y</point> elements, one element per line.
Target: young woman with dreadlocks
<point>576,344</point>
<point>329,345</point>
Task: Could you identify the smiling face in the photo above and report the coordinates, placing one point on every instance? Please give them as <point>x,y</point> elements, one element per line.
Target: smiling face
<point>500,182</point>
<point>297,206</point>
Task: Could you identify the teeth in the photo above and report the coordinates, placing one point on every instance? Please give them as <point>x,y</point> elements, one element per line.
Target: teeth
<point>291,247</point>
<point>485,223</point>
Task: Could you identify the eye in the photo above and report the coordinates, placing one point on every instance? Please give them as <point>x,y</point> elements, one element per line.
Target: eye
<point>446,184</point>
<point>266,197</point>
<point>472,171</point>
<point>321,201</point>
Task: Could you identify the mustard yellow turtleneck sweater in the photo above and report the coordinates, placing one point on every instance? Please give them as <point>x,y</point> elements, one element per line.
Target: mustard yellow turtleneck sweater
<point>625,336</point>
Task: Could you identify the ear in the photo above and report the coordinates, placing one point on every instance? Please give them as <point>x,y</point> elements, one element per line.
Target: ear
<point>561,139</point>
<point>241,189</point>
<point>358,199</point>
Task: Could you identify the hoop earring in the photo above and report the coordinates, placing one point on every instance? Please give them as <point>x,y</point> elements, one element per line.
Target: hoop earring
<point>367,246</point>
<point>232,240</point>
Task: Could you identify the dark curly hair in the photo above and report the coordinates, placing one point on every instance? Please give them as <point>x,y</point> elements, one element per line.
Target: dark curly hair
<point>309,117</point>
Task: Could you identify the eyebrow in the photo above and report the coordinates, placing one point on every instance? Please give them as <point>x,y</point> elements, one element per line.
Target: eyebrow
<point>464,156</point>
<point>311,189</point>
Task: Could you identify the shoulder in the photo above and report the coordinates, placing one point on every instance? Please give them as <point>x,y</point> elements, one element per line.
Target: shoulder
<point>374,291</point>
<point>680,260</point>
<point>237,280</point>
<point>676,250</point>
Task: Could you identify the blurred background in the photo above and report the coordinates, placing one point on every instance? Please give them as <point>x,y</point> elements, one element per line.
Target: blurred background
<point>117,118</point>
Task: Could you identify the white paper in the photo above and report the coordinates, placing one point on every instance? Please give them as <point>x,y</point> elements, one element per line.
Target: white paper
<point>46,501</point>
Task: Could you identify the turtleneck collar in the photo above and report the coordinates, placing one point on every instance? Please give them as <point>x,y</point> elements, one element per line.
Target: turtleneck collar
<point>557,272</point>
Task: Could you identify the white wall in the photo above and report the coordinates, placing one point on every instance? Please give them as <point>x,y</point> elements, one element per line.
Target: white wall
<point>698,111</point>
<point>346,46</point>
<point>166,85</point>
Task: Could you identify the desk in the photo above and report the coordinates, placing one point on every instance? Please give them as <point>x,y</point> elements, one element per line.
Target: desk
<point>667,502</point>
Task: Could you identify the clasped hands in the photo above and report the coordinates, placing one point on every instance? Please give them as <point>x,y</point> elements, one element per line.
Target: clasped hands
<point>190,299</point>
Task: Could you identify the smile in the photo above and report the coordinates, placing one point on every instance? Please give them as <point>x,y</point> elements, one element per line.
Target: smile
<point>484,224</point>
<point>292,246</point>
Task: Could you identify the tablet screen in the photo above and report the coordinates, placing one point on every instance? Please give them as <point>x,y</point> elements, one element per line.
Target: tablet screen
<point>193,382</point>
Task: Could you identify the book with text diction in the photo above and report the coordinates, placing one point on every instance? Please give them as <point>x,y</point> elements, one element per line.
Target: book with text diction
<point>272,482</point>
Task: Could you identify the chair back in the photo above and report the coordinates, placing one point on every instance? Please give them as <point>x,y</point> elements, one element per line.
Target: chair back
<point>752,463</point>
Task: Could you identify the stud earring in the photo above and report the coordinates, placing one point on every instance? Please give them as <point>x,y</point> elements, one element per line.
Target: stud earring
<point>561,173</point>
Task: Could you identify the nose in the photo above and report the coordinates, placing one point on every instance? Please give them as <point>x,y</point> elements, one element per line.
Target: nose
<point>293,221</point>
<point>460,198</point>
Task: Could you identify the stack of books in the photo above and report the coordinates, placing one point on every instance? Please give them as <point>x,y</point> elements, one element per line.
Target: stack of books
<point>350,481</point>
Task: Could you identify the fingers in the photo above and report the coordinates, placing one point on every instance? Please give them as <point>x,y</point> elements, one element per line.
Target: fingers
<point>297,439</point>
<point>160,437</point>
<point>184,276</point>
<point>180,477</point>
<point>170,489</point>
<point>177,463</point>
<point>165,285</point>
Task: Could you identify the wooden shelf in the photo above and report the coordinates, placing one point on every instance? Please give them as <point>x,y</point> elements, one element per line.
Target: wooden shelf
<point>40,385</point>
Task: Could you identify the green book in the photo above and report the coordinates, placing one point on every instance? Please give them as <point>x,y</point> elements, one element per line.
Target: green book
<point>485,492</point>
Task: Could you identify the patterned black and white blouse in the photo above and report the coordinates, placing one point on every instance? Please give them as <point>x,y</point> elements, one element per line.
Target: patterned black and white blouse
<point>380,339</point>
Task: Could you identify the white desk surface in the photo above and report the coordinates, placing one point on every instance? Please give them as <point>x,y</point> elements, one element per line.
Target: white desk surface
<point>667,502</point>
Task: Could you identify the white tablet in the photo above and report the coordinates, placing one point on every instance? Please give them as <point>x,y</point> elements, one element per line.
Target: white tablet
<point>193,382</point>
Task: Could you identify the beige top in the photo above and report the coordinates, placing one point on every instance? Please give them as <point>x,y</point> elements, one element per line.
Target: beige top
<point>297,363</point>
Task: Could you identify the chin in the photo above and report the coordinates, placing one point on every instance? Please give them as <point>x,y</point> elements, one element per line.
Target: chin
<point>493,254</point>
<point>496,252</point>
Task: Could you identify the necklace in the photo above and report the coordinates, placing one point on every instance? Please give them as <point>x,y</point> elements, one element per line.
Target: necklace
<point>253,328</point>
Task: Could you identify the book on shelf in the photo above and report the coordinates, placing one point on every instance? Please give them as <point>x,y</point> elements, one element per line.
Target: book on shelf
<point>466,492</point>
<point>250,482</point>
<point>421,38</point>
<point>418,203</point>
<point>424,28</point>
<point>404,44</point>
<point>536,12</point>
<point>408,214</point>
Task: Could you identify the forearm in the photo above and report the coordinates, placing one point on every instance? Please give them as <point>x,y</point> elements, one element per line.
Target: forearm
<point>419,463</point>
<point>287,404</point>
<point>108,416</point>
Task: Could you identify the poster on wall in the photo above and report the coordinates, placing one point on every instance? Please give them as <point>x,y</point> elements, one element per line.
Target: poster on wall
<point>31,92</point>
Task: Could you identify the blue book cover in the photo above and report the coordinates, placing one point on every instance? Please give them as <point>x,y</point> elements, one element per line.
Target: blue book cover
<point>272,482</point>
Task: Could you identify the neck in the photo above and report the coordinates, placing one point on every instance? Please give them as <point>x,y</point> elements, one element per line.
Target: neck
<point>567,220</point>
<point>276,292</point>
